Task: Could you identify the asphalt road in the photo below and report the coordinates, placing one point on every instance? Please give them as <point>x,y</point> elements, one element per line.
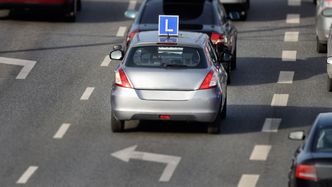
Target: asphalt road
<point>69,58</point>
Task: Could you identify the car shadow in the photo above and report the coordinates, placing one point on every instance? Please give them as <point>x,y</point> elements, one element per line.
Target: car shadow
<point>240,119</point>
<point>256,71</point>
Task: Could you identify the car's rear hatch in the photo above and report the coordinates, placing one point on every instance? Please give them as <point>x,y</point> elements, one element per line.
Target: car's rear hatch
<point>169,83</point>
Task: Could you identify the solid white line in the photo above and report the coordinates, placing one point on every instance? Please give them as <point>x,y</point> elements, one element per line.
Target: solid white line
<point>271,125</point>
<point>260,152</point>
<point>291,37</point>
<point>279,100</point>
<point>288,55</point>
<point>293,18</point>
<point>27,65</point>
<point>87,93</point>
<point>106,61</point>
<point>248,180</point>
<point>27,174</point>
<point>121,32</point>
<point>286,77</point>
<point>294,2</point>
<point>62,131</point>
<point>132,5</point>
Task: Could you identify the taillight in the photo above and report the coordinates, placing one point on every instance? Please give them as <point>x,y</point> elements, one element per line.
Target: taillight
<point>121,79</point>
<point>210,81</point>
<point>131,35</point>
<point>306,172</point>
<point>165,117</point>
<point>217,38</point>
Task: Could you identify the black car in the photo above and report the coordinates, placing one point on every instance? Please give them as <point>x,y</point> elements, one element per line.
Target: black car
<point>207,16</point>
<point>312,163</point>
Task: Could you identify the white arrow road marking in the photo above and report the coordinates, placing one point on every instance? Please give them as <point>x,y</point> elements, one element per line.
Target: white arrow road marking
<point>27,65</point>
<point>130,153</point>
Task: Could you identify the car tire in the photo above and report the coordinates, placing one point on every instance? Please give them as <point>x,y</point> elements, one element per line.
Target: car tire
<point>79,5</point>
<point>116,125</point>
<point>321,47</point>
<point>224,110</point>
<point>70,14</point>
<point>228,70</point>
<point>244,17</point>
<point>329,84</point>
<point>214,127</point>
<point>233,64</point>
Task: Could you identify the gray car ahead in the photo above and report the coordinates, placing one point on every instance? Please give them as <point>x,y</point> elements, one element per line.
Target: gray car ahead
<point>178,78</point>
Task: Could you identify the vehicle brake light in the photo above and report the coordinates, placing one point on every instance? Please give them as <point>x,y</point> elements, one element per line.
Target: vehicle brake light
<point>165,117</point>
<point>131,35</point>
<point>306,172</point>
<point>210,81</point>
<point>217,38</point>
<point>121,79</point>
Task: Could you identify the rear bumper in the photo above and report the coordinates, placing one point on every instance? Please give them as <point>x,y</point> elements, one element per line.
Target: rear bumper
<point>202,106</point>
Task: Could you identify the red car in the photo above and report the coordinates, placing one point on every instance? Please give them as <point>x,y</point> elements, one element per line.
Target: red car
<point>68,7</point>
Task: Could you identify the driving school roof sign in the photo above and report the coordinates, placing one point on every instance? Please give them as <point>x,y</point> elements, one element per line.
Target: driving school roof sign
<point>168,25</point>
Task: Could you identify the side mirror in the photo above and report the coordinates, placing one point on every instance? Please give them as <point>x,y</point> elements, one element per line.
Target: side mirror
<point>116,55</point>
<point>234,15</point>
<point>131,14</point>
<point>329,60</point>
<point>297,135</point>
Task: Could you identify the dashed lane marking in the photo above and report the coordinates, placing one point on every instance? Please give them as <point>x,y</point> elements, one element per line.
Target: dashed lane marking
<point>280,100</point>
<point>288,55</point>
<point>27,175</point>
<point>106,61</point>
<point>260,152</point>
<point>121,32</point>
<point>87,93</point>
<point>286,77</point>
<point>291,37</point>
<point>271,125</point>
<point>132,5</point>
<point>293,18</point>
<point>294,2</point>
<point>248,180</point>
<point>62,131</point>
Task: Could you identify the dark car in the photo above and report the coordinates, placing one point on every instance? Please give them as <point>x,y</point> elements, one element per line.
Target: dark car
<point>206,16</point>
<point>312,163</point>
<point>69,8</point>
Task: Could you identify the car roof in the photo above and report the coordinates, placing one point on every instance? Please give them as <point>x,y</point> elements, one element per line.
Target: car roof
<point>324,120</point>
<point>184,38</point>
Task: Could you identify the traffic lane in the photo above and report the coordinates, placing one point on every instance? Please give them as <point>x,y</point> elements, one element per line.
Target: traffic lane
<point>93,11</point>
<point>262,11</point>
<point>37,105</point>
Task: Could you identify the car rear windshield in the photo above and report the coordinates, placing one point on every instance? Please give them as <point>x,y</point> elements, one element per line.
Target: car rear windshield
<point>166,56</point>
<point>190,12</point>
<point>324,140</point>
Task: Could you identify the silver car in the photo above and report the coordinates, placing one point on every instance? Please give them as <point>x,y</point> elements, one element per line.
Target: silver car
<point>168,78</point>
<point>329,61</point>
<point>323,23</point>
